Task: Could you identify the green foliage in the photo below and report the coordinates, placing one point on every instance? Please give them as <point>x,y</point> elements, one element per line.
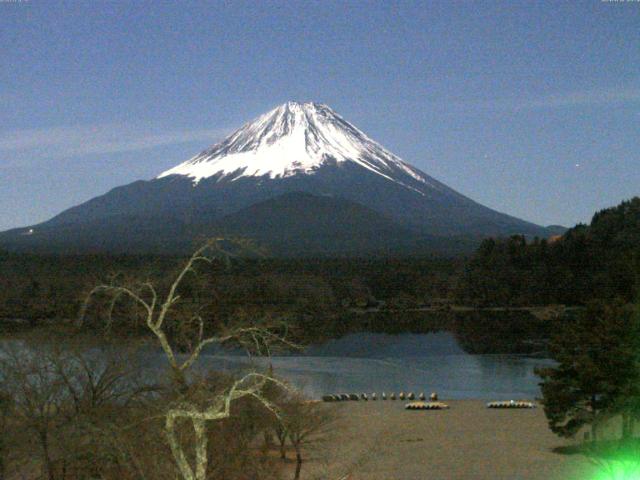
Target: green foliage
<point>598,370</point>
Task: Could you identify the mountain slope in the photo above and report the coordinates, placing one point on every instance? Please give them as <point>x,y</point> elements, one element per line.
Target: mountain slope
<point>301,224</point>
<point>293,148</point>
<point>293,224</point>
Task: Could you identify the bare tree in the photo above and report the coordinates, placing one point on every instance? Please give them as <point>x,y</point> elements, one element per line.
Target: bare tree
<point>38,396</point>
<point>58,393</point>
<point>192,457</point>
<point>305,423</point>
<point>281,434</point>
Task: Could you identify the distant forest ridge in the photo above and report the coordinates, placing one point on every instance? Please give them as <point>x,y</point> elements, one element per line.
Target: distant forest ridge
<point>599,260</point>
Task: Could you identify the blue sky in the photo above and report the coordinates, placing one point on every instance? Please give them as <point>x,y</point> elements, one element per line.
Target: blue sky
<point>531,108</point>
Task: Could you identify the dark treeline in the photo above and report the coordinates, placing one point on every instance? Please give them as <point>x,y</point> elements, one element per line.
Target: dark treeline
<point>326,297</point>
<point>320,298</point>
<point>38,288</point>
<point>596,261</point>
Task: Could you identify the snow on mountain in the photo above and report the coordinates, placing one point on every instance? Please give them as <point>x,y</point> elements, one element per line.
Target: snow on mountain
<point>298,179</point>
<point>293,139</point>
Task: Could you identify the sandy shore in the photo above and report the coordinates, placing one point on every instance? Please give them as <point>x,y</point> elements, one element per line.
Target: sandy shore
<point>382,440</point>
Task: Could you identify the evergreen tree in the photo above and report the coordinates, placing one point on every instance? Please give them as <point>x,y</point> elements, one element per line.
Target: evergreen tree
<point>598,370</point>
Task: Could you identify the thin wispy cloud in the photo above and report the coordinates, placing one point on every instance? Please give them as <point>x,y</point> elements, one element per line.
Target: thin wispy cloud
<point>79,141</point>
<point>585,98</point>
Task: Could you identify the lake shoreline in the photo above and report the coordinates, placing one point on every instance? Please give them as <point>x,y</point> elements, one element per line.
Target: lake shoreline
<point>358,363</point>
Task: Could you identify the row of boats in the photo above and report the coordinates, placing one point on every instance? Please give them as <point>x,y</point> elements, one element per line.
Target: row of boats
<point>512,404</point>
<point>422,404</point>
<point>383,396</point>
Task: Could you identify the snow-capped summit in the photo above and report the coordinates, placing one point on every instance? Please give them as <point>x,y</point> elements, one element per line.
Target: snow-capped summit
<point>300,180</point>
<point>294,138</point>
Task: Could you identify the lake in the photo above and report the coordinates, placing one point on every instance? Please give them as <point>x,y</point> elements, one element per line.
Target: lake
<point>377,362</point>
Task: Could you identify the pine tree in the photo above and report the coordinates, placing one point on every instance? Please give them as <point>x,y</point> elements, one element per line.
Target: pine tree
<point>598,370</point>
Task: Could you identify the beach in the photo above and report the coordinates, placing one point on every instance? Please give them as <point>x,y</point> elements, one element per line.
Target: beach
<point>378,440</point>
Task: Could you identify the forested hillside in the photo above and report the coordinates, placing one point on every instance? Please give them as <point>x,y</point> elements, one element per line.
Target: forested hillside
<point>596,261</point>
<point>35,288</point>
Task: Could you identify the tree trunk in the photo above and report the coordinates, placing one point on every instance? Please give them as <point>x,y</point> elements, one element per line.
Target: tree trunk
<point>202,458</point>
<point>627,426</point>
<point>283,450</point>
<point>298,465</point>
<point>268,439</point>
<point>47,465</point>
<point>281,435</point>
<point>179,380</point>
<point>2,455</point>
<point>594,423</point>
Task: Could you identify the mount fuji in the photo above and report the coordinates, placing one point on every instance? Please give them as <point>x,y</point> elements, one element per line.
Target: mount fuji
<point>299,179</point>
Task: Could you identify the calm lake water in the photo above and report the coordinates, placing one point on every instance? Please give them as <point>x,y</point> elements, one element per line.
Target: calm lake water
<point>376,362</point>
